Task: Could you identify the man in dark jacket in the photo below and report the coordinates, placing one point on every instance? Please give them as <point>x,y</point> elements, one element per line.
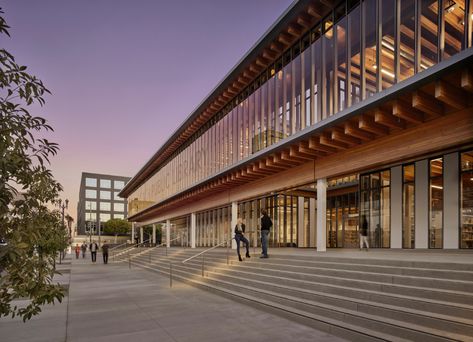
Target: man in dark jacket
<point>105,248</point>
<point>239,231</point>
<point>266,225</point>
<point>364,234</point>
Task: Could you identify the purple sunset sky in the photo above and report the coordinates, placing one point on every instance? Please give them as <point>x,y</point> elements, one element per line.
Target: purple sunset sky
<point>125,73</point>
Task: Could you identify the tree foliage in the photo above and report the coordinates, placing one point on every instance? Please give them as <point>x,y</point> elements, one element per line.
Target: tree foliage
<point>33,232</point>
<point>116,227</point>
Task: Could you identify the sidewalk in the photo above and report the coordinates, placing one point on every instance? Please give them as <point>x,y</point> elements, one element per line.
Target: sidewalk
<point>112,303</point>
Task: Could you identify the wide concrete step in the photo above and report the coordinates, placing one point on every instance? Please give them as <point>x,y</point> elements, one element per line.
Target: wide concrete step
<point>428,290</point>
<point>395,330</point>
<point>237,275</point>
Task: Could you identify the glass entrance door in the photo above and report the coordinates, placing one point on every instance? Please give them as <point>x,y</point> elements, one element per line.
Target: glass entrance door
<point>342,220</point>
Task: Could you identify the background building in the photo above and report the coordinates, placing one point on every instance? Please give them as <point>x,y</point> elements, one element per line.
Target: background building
<point>342,111</point>
<point>98,199</point>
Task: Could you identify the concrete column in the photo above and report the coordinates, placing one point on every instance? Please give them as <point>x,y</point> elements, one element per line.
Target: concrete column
<point>422,204</point>
<point>133,232</point>
<point>193,230</point>
<point>141,235</point>
<point>153,240</point>
<point>233,223</point>
<point>321,215</point>
<point>312,222</point>
<point>451,221</point>
<point>396,207</point>
<point>168,233</point>
<point>300,222</point>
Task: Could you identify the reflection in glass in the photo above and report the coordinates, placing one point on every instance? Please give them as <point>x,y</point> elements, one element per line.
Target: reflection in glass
<point>388,10</point>
<point>407,31</point>
<point>371,63</point>
<point>466,200</point>
<point>408,213</point>
<point>354,26</point>
<point>436,203</point>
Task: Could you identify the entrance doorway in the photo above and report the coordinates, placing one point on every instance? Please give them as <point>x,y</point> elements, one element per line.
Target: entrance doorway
<point>342,220</point>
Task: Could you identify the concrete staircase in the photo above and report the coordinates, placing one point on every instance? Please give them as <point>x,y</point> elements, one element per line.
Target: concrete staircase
<point>362,299</point>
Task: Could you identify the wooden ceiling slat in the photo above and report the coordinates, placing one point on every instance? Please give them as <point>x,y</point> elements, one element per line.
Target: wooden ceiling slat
<point>406,112</point>
<point>388,120</point>
<point>451,95</point>
<point>427,104</point>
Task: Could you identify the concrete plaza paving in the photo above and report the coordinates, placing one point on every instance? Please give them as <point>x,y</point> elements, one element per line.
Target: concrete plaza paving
<point>112,303</point>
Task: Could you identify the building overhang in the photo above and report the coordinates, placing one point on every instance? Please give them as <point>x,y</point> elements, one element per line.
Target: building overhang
<point>292,25</point>
<point>438,91</point>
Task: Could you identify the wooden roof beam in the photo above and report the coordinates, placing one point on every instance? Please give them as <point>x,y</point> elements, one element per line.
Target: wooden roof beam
<point>269,54</point>
<point>277,47</point>
<point>304,20</point>
<point>295,151</point>
<point>314,144</point>
<point>255,68</point>
<point>388,120</point>
<point>285,38</point>
<point>467,80</point>
<point>352,129</point>
<point>285,155</point>
<point>249,74</point>
<point>261,61</point>
<point>427,104</point>
<point>295,30</point>
<point>326,139</point>
<point>312,11</point>
<point>338,134</point>
<point>367,124</point>
<point>451,95</point>
<point>406,112</point>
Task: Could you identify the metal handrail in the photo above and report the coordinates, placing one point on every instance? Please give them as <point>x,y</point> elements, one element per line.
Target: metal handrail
<point>111,249</point>
<point>161,244</point>
<point>207,250</point>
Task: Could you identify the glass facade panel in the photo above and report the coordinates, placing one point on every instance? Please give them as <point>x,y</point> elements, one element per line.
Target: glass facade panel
<point>429,33</point>
<point>328,74</point>
<point>341,72</point>
<point>92,182</point>
<point>354,25</point>
<point>298,122</point>
<point>307,79</point>
<point>436,203</point>
<point>105,183</point>
<point>118,185</point>
<point>388,42</point>
<point>118,216</point>
<point>105,206</point>
<point>375,206</point>
<point>407,34</point>
<point>105,195</point>
<point>118,207</point>
<point>104,217</point>
<point>371,61</point>
<point>89,205</point>
<point>454,25</point>
<point>466,200</point>
<point>408,209</point>
<point>90,193</point>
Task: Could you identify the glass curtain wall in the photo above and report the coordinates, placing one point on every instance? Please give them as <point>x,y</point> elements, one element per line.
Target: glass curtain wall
<point>408,203</point>
<point>466,200</point>
<point>213,226</point>
<point>375,206</point>
<point>342,220</point>
<point>436,203</point>
<point>348,56</point>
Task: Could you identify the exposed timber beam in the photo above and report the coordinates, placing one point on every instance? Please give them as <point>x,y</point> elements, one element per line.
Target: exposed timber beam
<point>451,95</point>
<point>427,104</point>
<point>388,120</point>
<point>406,112</point>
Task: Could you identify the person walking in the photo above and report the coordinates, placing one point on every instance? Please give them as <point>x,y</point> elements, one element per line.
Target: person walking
<point>239,236</point>
<point>93,250</point>
<point>364,234</point>
<point>266,225</point>
<point>105,248</point>
<point>84,249</point>
<point>77,250</point>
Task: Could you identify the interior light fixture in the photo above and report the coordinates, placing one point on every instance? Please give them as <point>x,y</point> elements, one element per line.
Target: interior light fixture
<point>384,71</point>
<point>437,187</point>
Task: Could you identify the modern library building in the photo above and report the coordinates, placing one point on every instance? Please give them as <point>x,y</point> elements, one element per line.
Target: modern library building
<point>342,111</point>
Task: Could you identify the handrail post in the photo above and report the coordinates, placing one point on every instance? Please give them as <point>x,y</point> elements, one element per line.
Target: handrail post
<point>170,274</point>
<point>129,261</point>
<point>203,258</point>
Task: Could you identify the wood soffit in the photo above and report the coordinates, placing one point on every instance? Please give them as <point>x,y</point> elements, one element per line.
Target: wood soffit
<point>409,108</point>
<point>291,26</point>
